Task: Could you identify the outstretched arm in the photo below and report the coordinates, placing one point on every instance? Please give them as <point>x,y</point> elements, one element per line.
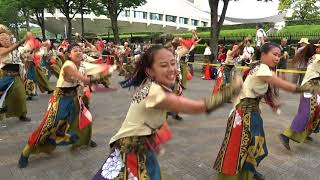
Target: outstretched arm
<point>182,104</point>
<point>288,86</point>
<point>194,45</point>
<point>280,83</point>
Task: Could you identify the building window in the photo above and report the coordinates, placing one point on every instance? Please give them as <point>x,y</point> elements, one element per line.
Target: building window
<point>140,15</point>
<point>127,13</point>
<point>183,20</point>
<point>156,16</point>
<point>171,18</point>
<point>194,22</point>
<point>204,24</point>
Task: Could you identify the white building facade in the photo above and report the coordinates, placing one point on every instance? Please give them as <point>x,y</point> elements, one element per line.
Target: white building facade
<point>168,16</point>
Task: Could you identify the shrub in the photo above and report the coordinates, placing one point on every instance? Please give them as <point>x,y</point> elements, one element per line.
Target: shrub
<point>266,25</point>
<point>199,49</point>
<point>303,22</point>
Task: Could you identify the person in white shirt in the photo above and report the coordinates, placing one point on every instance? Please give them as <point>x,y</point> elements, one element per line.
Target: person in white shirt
<point>261,37</point>
<point>207,51</point>
<point>248,52</point>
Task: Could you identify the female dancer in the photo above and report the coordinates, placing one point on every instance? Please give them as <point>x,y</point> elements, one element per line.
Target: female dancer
<point>307,118</point>
<point>61,124</point>
<point>133,148</point>
<point>226,68</point>
<point>244,145</point>
<point>13,98</point>
<point>176,88</point>
<point>56,62</point>
<point>42,73</point>
<point>26,55</point>
<point>230,62</point>
<point>184,48</point>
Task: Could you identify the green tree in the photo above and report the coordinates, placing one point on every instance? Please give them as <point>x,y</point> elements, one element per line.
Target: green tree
<point>114,8</point>
<point>36,7</point>
<point>69,8</point>
<point>11,15</point>
<point>302,9</point>
<point>217,22</point>
<point>87,6</point>
<point>15,12</point>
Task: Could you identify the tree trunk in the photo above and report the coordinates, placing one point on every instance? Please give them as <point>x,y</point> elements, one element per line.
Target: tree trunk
<point>26,17</point>
<point>69,34</point>
<point>66,12</point>
<point>214,44</point>
<point>43,30</point>
<point>82,23</point>
<point>216,25</point>
<point>114,24</point>
<point>114,20</point>
<point>16,29</point>
<point>40,19</point>
<point>214,34</point>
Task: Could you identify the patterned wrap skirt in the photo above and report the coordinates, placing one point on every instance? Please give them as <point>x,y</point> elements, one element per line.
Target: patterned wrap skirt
<point>30,85</point>
<point>60,125</point>
<point>15,104</point>
<point>45,64</point>
<point>306,120</point>
<point>131,158</point>
<point>42,80</point>
<point>56,67</point>
<point>244,145</point>
<point>228,72</point>
<point>225,74</point>
<point>184,73</point>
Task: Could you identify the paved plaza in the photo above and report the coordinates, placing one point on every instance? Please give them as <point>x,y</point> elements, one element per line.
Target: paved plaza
<point>188,156</point>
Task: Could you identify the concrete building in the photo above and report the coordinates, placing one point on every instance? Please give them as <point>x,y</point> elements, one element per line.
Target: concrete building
<point>166,16</point>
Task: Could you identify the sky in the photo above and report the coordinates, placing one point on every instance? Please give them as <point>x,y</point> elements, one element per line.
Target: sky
<point>246,9</point>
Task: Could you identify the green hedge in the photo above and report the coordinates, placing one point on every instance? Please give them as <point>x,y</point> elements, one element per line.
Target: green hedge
<point>199,49</point>
<point>303,22</point>
<point>266,25</point>
<point>231,34</point>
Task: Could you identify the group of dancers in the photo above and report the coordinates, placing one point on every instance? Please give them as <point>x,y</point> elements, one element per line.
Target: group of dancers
<point>67,119</point>
<point>158,90</point>
<point>135,145</point>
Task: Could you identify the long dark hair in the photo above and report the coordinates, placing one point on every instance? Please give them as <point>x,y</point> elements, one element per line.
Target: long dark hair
<point>266,47</point>
<point>304,55</point>
<point>146,61</point>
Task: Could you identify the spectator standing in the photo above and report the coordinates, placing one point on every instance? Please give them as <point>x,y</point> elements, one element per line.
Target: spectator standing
<point>261,38</point>
<point>284,57</point>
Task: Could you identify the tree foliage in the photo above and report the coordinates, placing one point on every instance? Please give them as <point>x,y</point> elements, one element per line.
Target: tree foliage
<point>36,8</point>
<point>302,9</point>
<point>10,14</point>
<point>217,21</point>
<point>69,8</point>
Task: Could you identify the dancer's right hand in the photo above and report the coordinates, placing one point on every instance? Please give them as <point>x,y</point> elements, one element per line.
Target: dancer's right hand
<point>223,96</point>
